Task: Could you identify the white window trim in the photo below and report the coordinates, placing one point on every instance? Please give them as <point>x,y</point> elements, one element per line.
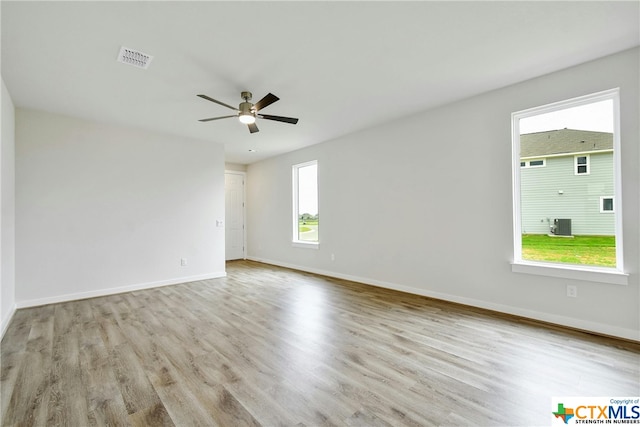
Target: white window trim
<point>305,244</point>
<point>588,164</point>
<point>611,275</point>
<point>613,204</point>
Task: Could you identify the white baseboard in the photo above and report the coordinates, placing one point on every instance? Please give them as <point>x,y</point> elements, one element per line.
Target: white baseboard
<point>4,323</point>
<point>585,325</point>
<point>118,290</point>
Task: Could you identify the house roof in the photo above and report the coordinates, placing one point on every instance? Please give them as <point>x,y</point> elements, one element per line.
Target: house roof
<point>564,141</point>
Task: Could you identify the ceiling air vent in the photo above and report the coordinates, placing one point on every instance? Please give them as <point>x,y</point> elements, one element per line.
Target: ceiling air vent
<point>134,57</point>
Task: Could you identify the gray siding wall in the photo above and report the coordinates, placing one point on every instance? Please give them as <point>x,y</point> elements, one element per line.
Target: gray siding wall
<point>580,201</point>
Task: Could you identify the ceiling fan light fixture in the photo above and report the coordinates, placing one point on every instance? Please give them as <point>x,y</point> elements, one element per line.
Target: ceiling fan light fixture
<point>247,113</point>
<point>247,119</point>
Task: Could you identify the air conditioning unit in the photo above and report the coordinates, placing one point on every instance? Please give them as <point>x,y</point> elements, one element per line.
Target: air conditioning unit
<point>562,227</point>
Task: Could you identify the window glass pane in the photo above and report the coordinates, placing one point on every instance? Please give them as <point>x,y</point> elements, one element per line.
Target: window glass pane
<point>307,203</point>
<point>560,223</point>
<point>536,163</point>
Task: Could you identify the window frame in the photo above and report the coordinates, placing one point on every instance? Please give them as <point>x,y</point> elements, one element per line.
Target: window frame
<point>528,165</point>
<point>587,164</point>
<point>295,241</point>
<point>613,204</point>
<point>612,275</point>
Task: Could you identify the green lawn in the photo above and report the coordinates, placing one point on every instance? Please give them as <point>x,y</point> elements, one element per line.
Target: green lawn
<point>302,225</point>
<point>585,250</point>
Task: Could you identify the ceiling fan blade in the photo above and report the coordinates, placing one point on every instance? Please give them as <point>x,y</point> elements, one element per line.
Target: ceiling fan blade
<point>279,118</point>
<point>217,102</point>
<point>253,128</point>
<point>217,118</point>
<point>266,101</point>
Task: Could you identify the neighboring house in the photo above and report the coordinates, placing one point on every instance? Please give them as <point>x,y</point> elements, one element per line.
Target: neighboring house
<point>567,174</point>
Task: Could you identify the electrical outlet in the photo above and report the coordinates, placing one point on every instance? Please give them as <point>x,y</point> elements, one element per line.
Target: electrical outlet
<point>183,262</point>
<point>333,257</point>
<point>572,291</point>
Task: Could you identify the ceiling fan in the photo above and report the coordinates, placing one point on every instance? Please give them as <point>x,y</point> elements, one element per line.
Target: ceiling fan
<point>248,112</point>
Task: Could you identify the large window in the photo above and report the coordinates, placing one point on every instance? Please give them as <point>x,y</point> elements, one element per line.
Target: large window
<point>305,204</point>
<point>559,201</point>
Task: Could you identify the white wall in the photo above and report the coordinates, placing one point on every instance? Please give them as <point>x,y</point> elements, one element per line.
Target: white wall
<point>235,167</point>
<point>103,209</point>
<point>424,204</point>
<point>7,204</point>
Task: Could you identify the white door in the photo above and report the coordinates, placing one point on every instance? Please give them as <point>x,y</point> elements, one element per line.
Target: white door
<point>234,215</point>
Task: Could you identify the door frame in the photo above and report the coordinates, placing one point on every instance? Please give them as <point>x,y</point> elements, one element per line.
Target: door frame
<point>244,211</point>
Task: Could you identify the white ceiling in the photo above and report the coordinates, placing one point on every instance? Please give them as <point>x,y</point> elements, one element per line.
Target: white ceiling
<point>338,66</point>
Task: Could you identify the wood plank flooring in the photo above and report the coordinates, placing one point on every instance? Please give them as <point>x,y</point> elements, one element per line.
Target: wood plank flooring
<point>270,346</point>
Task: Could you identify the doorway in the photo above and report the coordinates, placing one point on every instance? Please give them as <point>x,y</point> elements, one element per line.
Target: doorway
<point>234,215</point>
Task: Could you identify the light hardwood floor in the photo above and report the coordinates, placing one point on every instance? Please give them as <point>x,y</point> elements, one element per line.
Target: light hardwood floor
<point>270,346</point>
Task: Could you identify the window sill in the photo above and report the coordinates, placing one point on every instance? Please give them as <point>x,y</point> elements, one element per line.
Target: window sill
<point>305,245</point>
<point>590,274</point>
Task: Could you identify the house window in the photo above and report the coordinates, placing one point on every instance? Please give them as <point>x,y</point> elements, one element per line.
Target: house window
<point>606,204</point>
<point>305,204</point>
<point>582,165</point>
<point>582,133</point>
<point>538,163</point>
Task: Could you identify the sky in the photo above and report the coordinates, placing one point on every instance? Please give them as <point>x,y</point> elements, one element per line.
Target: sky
<point>308,190</point>
<point>597,116</point>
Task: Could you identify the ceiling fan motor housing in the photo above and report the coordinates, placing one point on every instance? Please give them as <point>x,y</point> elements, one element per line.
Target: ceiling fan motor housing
<point>246,108</point>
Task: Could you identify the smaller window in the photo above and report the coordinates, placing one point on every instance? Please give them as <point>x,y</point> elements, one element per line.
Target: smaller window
<point>538,163</point>
<point>606,204</point>
<point>582,165</point>
<point>305,204</point>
